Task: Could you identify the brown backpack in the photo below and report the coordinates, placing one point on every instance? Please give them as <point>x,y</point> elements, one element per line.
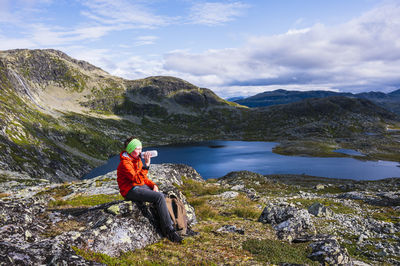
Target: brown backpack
<point>177,211</point>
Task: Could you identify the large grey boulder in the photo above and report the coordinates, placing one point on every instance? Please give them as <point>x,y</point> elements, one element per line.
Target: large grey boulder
<point>329,252</point>
<point>289,222</point>
<point>33,234</point>
<point>319,210</point>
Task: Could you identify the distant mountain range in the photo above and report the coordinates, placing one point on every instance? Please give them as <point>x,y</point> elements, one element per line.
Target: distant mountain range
<point>61,117</point>
<point>389,101</point>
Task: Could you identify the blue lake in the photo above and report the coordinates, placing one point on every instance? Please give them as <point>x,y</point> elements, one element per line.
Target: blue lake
<point>214,159</point>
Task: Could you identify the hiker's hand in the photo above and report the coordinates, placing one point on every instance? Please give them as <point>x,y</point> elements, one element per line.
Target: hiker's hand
<point>146,157</point>
<point>155,188</point>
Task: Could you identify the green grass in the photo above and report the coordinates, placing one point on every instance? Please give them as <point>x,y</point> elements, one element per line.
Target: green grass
<point>244,208</point>
<point>277,252</point>
<point>196,188</point>
<point>246,212</point>
<point>86,200</point>
<point>312,148</point>
<point>387,214</point>
<point>101,258</point>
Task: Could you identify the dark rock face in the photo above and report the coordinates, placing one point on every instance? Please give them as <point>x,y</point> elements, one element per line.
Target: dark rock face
<point>289,222</point>
<point>33,234</point>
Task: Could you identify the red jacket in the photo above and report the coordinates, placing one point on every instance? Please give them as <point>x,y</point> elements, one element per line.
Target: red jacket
<point>130,173</point>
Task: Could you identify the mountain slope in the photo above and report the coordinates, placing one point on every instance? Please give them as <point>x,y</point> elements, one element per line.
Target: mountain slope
<point>333,117</point>
<point>61,117</point>
<point>390,101</point>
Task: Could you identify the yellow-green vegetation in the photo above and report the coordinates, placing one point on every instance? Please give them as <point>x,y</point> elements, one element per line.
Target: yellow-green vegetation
<point>203,210</point>
<point>386,156</point>
<point>277,252</point>
<point>269,187</point>
<point>61,227</point>
<point>311,148</point>
<point>192,89</point>
<point>102,181</point>
<point>235,104</point>
<point>192,188</point>
<point>243,207</point>
<point>57,192</point>
<point>82,200</point>
<point>387,214</point>
<point>102,258</point>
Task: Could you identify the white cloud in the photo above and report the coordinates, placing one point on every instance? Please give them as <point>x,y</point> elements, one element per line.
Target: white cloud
<point>136,67</point>
<point>7,43</point>
<point>117,12</point>
<point>102,58</point>
<point>362,54</point>
<point>104,17</point>
<point>145,40</point>
<point>215,13</point>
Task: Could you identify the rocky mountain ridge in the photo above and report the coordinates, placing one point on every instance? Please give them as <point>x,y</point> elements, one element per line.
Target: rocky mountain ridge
<point>62,117</point>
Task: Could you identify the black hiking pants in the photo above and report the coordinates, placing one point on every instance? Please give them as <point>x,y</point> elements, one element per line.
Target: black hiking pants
<point>146,194</point>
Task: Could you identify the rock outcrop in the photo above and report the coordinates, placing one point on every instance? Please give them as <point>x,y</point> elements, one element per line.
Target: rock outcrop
<point>289,222</point>
<point>329,252</point>
<point>36,229</point>
<point>338,218</point>
<point>320,210</point>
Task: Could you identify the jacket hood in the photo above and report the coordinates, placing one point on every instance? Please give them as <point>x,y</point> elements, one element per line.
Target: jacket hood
<point>125,156</point>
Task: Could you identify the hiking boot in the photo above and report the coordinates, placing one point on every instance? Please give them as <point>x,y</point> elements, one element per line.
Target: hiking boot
<point>190,232</point>
<point>173,236</point>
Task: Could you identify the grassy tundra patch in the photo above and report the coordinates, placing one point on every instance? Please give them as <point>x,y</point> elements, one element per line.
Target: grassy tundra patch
<point>81,200</point>
<point>278,252</point>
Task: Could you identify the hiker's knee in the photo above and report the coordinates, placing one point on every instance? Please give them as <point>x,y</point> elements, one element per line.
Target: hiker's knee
<point>159,196</point>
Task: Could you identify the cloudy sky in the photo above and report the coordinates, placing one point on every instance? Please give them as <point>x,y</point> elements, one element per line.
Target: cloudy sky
<point>235,48</point>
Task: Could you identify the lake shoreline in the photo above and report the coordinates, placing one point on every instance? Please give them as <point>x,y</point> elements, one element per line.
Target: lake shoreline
<point>214,159</point>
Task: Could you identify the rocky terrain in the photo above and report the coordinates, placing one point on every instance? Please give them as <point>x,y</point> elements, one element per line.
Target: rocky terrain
<point>61,117</point>
<point>47,223</point>
<point>243,218</point>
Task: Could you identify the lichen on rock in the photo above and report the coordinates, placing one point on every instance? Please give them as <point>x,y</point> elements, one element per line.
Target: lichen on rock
<point>31,232</point>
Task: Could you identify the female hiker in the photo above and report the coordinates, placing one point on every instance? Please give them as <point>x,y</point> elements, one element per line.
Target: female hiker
<point>135,186</point>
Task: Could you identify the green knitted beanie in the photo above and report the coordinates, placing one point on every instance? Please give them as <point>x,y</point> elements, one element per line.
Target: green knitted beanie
<point>133,145</point>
